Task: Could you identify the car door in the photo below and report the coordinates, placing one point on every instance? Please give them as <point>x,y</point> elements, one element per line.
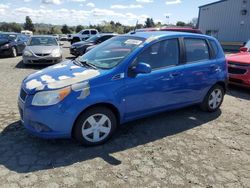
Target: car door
<point>199,71</point>
<point>155,91</point>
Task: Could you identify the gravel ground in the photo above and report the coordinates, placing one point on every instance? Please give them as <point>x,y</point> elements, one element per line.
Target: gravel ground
<point>183,148</point>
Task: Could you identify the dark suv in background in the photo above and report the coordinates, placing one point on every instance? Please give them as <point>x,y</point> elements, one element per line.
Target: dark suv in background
<point>79,48</point>
<point>12,44</point>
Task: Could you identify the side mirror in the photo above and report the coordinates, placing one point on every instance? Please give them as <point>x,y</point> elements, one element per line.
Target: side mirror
<point>243,49</point>
<point>142,68</point>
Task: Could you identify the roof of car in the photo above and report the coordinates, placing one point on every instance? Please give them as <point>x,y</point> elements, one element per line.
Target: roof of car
<point>160,34</point>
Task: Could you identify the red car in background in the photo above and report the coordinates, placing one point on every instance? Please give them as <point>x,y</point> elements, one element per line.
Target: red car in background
<point>176,29</point>
<point>239,68</point>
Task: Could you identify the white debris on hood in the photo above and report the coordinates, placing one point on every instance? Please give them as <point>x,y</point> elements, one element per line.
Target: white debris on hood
<point>47,78</point>
<point>63,77</point>
<point>79,77</point>
<point>32,84</point>
<point>75,67</point>
<point>58,66</point>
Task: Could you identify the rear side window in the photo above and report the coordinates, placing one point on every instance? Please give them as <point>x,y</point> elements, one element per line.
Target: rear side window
<point>161,54</point>
<point>214,48</point>
<point>196,50</point>
<point>93,32</point>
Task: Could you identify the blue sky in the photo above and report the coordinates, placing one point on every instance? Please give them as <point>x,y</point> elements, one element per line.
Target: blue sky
<point>73,12</point>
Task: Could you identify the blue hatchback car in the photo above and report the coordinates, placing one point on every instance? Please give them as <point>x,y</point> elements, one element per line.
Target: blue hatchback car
<point>123,79</point>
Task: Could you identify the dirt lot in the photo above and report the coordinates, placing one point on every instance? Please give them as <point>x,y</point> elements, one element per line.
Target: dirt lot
<point>184,148</point>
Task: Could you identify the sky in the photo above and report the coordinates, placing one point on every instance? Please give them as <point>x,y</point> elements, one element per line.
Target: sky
<point>85,12</point>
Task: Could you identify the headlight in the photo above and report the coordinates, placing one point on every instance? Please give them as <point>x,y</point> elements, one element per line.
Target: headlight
<point>46,98</point>
<point>6,46</point>
<point>27,53</point>
<point>56,53</point>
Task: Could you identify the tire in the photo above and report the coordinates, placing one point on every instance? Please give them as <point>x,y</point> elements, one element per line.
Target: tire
<point>213,99</point>
<point>13,52</point>
<point>89,132</point>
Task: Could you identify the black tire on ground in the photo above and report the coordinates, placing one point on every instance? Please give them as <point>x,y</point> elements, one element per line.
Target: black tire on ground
<point>210,105</point>
<point>13,52</point>
<point>83,122</point>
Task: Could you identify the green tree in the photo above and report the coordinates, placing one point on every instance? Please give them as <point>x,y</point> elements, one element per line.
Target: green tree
<point>149,23</point>
<point>181,24</point>
<point>79,28</point>
<point>28,25</point>
<point>65,29</point>
<point>11,27</point>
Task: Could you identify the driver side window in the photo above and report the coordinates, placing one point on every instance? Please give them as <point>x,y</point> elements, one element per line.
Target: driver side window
<point>161,54</point>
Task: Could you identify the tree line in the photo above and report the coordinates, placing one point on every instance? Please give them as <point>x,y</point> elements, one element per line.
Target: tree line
<point>65,29</point>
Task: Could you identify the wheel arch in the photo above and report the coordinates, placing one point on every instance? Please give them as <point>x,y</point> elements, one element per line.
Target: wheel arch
<point>110,106</point>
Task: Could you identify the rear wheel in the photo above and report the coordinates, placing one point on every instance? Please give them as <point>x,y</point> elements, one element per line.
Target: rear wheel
<point>213,99</point>
<point>95,126</point>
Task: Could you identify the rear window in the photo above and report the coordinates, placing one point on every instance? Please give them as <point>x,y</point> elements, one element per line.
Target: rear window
<point>196,50</point>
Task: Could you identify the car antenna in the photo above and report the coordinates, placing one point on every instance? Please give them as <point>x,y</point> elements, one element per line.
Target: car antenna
<point>133,32</point>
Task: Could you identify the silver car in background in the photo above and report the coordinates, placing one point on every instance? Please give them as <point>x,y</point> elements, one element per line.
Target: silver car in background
<point>42,50</point>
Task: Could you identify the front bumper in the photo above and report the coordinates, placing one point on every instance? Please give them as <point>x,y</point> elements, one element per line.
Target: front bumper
<point>239,75</point>
<point>5,52</point>
<point>75,51</point>
<point>46,122</point>
<point>41,60</point>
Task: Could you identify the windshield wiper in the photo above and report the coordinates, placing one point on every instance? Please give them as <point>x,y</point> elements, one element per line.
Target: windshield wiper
<point>80,63</point>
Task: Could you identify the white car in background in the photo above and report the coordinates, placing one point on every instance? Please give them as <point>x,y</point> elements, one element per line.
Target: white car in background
<point>82,35</point>
<point>42,49</point>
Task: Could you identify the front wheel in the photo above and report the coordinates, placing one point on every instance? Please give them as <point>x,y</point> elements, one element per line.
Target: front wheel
<point>13,52</point>
<point>95,126</point>
<point>213,99</point>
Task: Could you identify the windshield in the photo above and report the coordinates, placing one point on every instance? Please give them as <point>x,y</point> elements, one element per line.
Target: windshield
<point>8,36</point>
<point>42,41</point>
<point>111,52</point>
<point>93,39</point>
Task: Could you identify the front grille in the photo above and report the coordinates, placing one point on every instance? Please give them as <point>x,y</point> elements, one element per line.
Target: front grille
<point>42,55</point>
<point>235,80</point>
<point>42,61</point>
<point>23,94</point>
<point>233,70</point>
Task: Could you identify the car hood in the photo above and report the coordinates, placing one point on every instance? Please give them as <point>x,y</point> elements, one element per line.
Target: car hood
<point>243,57</point>
<point>42,49</point>
<point>4,41</point>
<point>58,76</point>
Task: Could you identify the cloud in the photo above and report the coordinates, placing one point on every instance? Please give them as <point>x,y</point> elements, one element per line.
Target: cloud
<point>90,4</point>
<point>55,2</point>
<point>26,1</point>
<point>3,6</point>
<point>145,1</point>
<point>125,6</point>
<point>79,1</point>
<point>173,2</point>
